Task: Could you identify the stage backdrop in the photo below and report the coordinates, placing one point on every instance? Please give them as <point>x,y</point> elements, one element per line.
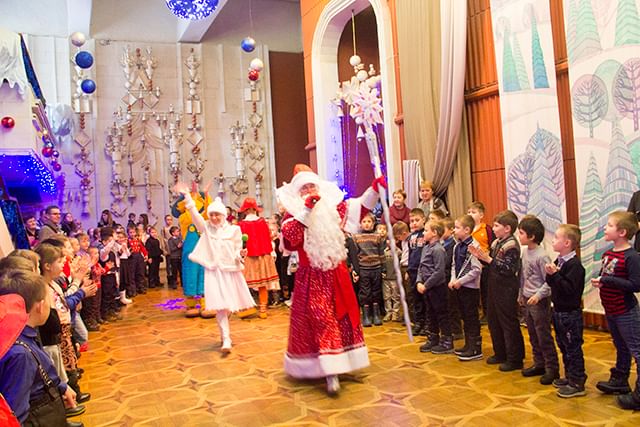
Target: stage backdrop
<point>529,108</point>
<point>603,44</point>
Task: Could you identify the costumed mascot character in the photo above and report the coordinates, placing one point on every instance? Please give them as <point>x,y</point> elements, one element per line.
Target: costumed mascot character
<point>192,273</point>
<point>259,266</point>
<point>325,334</point>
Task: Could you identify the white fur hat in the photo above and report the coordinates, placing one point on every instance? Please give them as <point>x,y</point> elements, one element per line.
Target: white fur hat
<point>217,206</point>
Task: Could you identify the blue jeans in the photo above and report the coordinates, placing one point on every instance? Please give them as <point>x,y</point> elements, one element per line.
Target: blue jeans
<point>569,327</point>
<point>625,331</point>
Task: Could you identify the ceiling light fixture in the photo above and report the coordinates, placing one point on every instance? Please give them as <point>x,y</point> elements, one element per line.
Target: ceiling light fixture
<point>192,9</point>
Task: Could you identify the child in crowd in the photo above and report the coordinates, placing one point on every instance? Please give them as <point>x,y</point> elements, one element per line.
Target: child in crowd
<point>165,235</point>
<point>125,275</point>
<point>174,245</point>
<point>448,242</point>
<point>401,235</point>
<point>137,263</point>
<point>416,243</point>
<point>91,305</point>
<point>26,369</point>
<point>465,285</point>
<point>619,280</point>
<point>535,297</point>
<point>110,261</point>
<point>482,234</point>
<point>428,202</point>
<point>154,253</point>
<point>220,252</point>
<point>399,211</point>
<point>431,284</point>
<point>502,296</point>
<point>436,215</point>
<point>565,277</point>
<point>370,246</point>
<point>390,291</point>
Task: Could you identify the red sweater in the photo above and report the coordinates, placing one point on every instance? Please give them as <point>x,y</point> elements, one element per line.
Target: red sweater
<point>399,214</point>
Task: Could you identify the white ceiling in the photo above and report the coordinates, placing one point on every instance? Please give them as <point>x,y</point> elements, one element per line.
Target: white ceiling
<point>146,20</point>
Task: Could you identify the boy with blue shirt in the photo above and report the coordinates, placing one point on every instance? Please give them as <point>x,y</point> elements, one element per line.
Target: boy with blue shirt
<point>416,243</point>
<point>20,381</point>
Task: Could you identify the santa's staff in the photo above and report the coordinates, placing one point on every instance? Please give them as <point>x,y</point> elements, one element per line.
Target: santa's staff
<point>366,110</point>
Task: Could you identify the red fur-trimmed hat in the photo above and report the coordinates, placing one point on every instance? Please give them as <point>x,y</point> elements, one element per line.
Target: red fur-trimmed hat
<point>13,317</point>
<point>250,203</point>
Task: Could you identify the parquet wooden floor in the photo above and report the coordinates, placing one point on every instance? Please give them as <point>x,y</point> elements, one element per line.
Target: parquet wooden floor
<point>157,368</point>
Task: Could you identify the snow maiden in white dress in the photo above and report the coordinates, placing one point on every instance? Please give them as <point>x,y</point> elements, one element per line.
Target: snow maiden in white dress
<point>219,252</point>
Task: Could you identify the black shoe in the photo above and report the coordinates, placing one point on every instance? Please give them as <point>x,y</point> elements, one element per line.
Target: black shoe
<point>617,384</point>
<point>510,366</point>
<point>74,424</point>
<point>83,397</point>
<point>377,320</point>
<point>74,412</point>
<point>629,401</point>
<point>366,318</point>
<point>494,360</point>
<point>533,371</point>
<point>417,328</point>
<point>550,375</point>
<point>470,354</point>
<point>445,346</point>
<point>571,390</point>
<point>463,349</point>
<point>432,341</point>
<point>560,382</point>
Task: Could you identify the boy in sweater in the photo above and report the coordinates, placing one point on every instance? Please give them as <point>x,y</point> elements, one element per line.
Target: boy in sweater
<point>535,297</point>
<point>431,284</point>
<point>566,279</point>
<point>370,260</point>
<point>503,264</point>
<point>416,243</point>
<point>619,280</point>
<point>465,286</point>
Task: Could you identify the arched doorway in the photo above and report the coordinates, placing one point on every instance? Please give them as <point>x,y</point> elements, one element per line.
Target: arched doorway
<point>324,62</point>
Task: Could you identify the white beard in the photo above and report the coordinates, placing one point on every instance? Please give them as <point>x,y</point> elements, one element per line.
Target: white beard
<point>324,241</point>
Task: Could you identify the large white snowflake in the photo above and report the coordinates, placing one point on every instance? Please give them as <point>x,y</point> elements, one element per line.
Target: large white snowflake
<point>366,106</point>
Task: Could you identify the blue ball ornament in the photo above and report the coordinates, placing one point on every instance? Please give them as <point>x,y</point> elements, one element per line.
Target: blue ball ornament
<point>84,59</point>
<point>88,86</point>
<point>248,44</point>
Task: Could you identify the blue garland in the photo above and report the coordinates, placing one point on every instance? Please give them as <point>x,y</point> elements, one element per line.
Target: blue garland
<point>192,9</point>
<point>31,168</point>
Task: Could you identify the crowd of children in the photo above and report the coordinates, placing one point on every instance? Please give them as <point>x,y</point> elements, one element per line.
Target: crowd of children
<point>453,270</point>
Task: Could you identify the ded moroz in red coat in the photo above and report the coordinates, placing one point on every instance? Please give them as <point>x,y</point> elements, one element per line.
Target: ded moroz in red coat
<point>325,334</point>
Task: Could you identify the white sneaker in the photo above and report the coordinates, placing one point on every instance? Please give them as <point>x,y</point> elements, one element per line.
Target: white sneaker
<point>333,385</point>
<point>226,346</point>
<point>123,298</point>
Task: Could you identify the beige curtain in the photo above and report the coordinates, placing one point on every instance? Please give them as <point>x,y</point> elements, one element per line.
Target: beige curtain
<point>419,56</point>
<point>421,61</point>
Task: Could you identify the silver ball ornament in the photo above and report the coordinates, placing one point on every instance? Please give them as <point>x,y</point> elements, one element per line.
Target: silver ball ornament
<point>355,60</point>
<point>78,39</point>
<point>256,64</point>
<point>362,75</point>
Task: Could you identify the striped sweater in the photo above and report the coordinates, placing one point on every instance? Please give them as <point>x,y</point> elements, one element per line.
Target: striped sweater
<point>620,278</point>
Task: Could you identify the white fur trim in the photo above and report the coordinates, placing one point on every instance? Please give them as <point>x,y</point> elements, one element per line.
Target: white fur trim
<point>289,194</point>
<point>369,198</point>
<point>303,216</point>
<point>217,206</point>
<point>352,216</point>
<point>321,365</point>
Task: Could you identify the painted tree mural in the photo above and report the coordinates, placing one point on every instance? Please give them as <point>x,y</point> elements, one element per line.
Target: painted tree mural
<point>518,181</point>
<point>510,81</point>
<point>620,182</point>
<point>626,90</point>
<point>535,179</point>
<point>571,30</point>
<point>521,68</point>
<point>607,72</point>
<point>540,79</point>
<point>590,217</point>
<point>543,199</point>
<point>627,23</point>
<point>587,40</point>
<point>590,101</point>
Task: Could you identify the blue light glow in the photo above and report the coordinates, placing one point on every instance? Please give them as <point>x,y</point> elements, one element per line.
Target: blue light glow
<point>192,9</point>
<point>30,167</point>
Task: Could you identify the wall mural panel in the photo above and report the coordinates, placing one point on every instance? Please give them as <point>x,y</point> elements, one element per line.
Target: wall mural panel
<point>603,45</point>
<point>529,108</point>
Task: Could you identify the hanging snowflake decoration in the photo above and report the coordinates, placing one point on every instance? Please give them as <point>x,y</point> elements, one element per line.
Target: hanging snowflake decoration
<point>192,9</point>
<point>366,107</point>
